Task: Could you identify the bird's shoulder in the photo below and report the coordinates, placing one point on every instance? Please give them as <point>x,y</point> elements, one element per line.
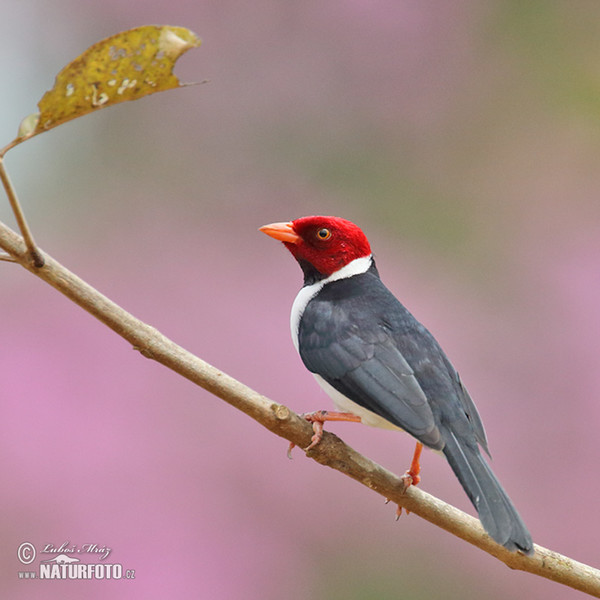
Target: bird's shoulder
<point>361,307</point>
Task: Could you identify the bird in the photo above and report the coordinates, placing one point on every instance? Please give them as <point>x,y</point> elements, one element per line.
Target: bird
<point>382,367</point>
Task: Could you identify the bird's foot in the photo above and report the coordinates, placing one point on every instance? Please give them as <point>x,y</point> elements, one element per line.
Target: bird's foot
<point>407,479</point>
<point>398,507</point>
<point>412,476</point>
<point>317,419</point>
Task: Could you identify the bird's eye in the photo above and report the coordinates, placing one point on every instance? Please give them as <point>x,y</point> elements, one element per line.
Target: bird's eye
<point>324,234</point>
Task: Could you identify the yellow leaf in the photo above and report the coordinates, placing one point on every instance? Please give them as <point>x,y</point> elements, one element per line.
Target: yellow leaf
<point>125,66</point>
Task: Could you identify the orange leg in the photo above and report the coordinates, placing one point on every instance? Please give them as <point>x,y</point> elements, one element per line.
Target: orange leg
<point>415,466</point>
<point>412,477</point>
<point>317,419</point>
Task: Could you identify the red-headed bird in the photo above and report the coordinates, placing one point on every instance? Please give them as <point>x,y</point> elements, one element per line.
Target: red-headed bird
<point>376,361</point>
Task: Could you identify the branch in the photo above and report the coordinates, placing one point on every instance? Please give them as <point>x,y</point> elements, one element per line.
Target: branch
<point>36,257</point>
<point>279,419</point>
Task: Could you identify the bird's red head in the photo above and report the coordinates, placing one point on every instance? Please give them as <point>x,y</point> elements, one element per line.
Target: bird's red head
<point>326,243</point>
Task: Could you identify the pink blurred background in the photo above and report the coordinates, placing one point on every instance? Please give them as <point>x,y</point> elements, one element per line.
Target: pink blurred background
<point>463,137</point>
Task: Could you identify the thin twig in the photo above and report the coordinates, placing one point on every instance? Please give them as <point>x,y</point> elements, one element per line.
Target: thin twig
<point>279,419</point>
<point>12,144</point>
<point>34,253</point>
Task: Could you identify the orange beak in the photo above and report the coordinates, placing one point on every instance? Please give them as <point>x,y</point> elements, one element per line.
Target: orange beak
<point>284,232</point>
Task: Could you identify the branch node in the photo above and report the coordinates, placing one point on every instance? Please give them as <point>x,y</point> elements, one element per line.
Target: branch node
<point>145,352</point>
<point>36,257</point>
<point>282,413</point>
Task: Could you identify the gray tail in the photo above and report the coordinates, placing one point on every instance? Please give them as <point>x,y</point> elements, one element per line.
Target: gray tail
<point>496,512</point>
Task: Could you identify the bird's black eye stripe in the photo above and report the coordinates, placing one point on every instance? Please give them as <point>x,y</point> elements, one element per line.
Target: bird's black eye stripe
<point>324,233</point>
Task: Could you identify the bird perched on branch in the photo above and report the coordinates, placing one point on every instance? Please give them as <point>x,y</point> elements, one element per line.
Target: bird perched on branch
<point>382,367</point>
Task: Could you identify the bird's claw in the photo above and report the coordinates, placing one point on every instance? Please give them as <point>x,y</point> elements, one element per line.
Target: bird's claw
<point>399,512</point>
<point>407,479</point>
<point>398,507</point>
<point>316,419</point>
<point>410,477</point>
<point>289,450</point>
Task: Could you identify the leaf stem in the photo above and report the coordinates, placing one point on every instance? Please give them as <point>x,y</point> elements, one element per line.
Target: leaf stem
<point>34,253</point>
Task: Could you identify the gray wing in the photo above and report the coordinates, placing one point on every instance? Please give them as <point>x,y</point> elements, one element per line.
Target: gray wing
<point>367,366</point>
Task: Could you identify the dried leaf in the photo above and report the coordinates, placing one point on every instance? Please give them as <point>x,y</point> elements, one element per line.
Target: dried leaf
<point>125,66</point>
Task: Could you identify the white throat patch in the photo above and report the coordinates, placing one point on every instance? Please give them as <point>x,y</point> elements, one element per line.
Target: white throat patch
<point>308,292</point>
